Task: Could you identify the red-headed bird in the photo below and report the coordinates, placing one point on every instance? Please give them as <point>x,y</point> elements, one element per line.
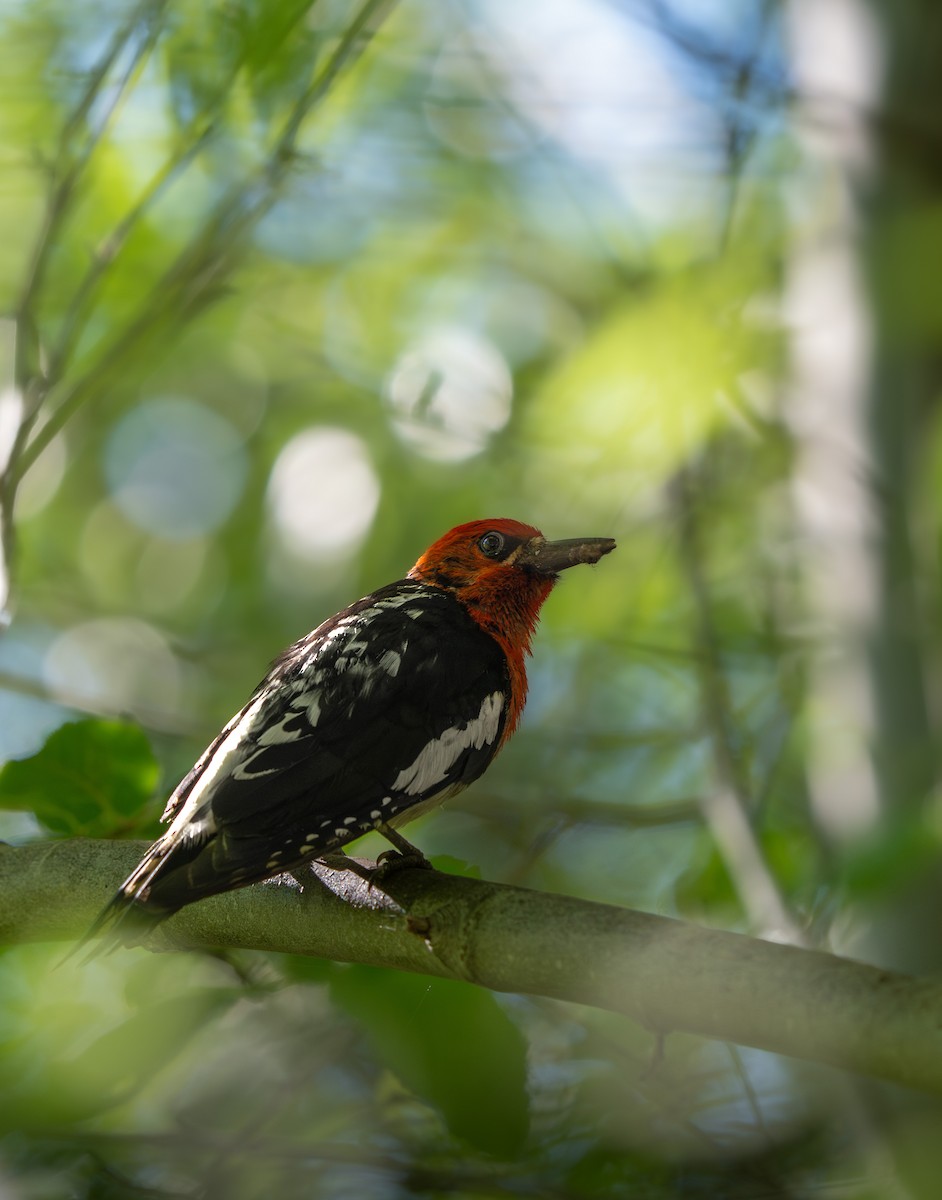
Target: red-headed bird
<point>387,708</point>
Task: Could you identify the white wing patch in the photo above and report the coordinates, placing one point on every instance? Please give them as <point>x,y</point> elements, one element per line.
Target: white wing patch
<point>399,600</point>
<point>202,827</point>
<point>338,631</point>
<point>308,703</point>
<point>217,768</point>
<point>391,662</point>
<point>439,756</point>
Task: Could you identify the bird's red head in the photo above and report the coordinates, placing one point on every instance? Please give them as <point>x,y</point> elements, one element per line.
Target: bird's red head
<point>469,551</point>
<point>502,571</point>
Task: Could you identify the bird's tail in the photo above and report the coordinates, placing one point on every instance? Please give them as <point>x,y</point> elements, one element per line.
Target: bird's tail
<point>130,915</point>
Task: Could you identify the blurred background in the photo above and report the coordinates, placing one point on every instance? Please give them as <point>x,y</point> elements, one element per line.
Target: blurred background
<point>289,289</point>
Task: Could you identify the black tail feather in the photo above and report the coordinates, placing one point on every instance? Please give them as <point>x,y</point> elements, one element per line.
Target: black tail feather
<point>128,917</point>
<point>122,922</point>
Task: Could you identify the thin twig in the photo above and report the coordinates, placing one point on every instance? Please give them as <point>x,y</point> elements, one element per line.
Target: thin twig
<point>32,383</point>
<point>195,276</point>
<point>61,194</point>
<point>727,807</point>
<point>201,130</point>
<point>106,256</point>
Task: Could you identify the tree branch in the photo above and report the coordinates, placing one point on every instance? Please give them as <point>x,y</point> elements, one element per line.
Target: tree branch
<point>663,973</point>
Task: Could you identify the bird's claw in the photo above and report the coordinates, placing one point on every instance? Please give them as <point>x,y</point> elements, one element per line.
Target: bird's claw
<point>391,861</point>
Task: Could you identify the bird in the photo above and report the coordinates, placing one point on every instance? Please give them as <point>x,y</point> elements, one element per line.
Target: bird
<point>385,710</point>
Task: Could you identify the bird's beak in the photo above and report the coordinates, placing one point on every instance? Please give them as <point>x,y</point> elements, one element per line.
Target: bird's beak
<point>546,558</point>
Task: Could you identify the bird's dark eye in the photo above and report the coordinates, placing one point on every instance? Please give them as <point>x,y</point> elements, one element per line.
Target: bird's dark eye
<point>491,544</point>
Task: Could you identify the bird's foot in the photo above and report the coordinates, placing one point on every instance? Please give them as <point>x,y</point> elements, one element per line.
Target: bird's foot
<point>404,855</point>
<point>338,860</point>
<point>388,863</point>
<point>391,861</point>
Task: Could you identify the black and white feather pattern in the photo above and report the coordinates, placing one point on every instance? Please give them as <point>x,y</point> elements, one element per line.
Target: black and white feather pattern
<point>393,704</point>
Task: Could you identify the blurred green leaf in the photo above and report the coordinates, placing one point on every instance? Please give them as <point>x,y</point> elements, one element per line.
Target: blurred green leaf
<point>449,1043</point>
<point>43,1089</point>
<point>706,884</point>
<point>124,1059</point>
<point>91,778</point>
<point>891,858</point>
<point>302,968</point>
<point>455,866</point>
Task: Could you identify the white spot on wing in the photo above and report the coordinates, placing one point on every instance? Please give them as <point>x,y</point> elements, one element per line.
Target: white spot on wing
<point>391,662</point>
<point>436,759</point>
<point>277,735</point>
<point>201,826</point>
<point>399,600</point>
<point>218,767</point>
<point>244,770</point>
<point>338,631</point>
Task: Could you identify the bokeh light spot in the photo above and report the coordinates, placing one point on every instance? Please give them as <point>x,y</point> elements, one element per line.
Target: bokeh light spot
<point>323,493</point>
<point>449,394</point>
<point>175,468</point>
<point>169,572</point>
<point>11,412</point>
<point>118,663</point>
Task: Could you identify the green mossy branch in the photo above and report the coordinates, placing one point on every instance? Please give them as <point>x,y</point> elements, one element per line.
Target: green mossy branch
<point>667,974</point>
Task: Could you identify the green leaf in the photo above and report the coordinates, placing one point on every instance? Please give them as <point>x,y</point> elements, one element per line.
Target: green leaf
<point>121,1062</point>
<point>63,1089</point>
<point>449,1043</point>
<point>455,866</point>
<point>91,778</point>
<point>899,851</point>
<point>706,884</point>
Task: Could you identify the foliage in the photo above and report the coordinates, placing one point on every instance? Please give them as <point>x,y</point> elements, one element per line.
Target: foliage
<point>291,288</point>
<point>452,1045</point>
<point>91,777</point>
